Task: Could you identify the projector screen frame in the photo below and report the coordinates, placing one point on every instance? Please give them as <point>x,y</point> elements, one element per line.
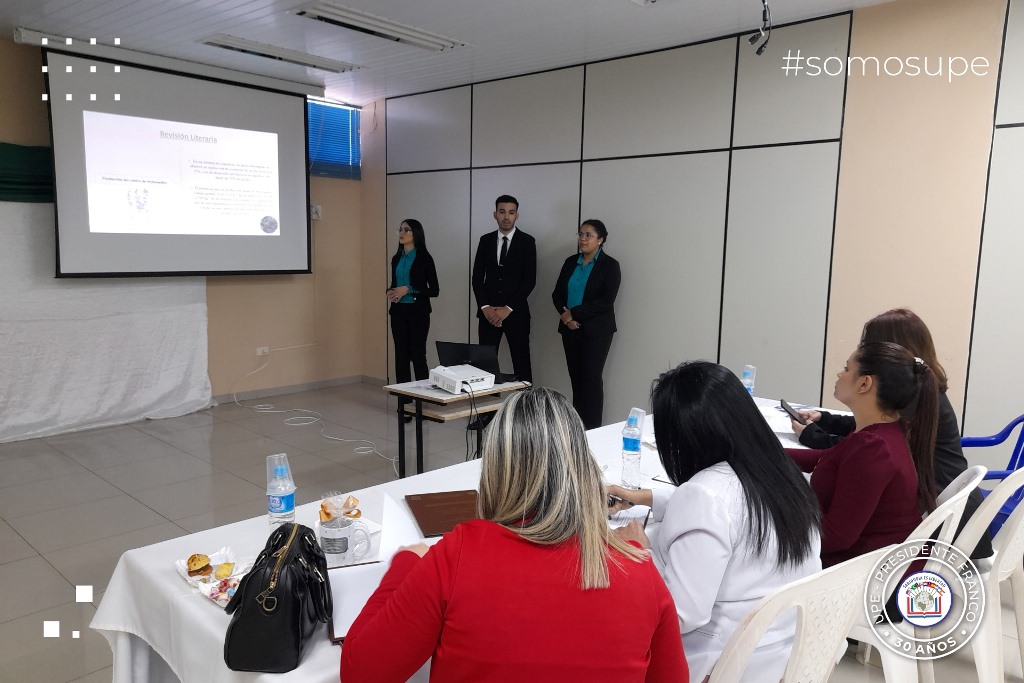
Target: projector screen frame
<point>59,273</point>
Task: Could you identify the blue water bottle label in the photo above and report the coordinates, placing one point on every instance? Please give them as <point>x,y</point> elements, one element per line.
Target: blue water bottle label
<point>630,444</point>
<point>280,504</point>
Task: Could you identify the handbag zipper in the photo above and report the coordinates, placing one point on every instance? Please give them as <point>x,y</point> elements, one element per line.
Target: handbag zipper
<point>265,597</point>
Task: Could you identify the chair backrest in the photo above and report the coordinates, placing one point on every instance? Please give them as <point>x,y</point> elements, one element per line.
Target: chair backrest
<point>827,604</point>
<point>952,500</point>
<point>1008,543</point>
<point>1016,455</point>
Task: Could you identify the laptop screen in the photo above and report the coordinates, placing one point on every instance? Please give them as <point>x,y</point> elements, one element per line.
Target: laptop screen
<point>477,355</point>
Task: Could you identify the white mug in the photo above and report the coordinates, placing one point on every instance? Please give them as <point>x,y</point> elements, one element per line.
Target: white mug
<point>343,540</point>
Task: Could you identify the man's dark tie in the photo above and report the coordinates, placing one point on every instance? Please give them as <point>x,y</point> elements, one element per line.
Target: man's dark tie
<point>504,250</point>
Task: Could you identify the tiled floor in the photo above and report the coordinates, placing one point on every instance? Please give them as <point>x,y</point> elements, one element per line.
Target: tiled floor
<point>71,504</point>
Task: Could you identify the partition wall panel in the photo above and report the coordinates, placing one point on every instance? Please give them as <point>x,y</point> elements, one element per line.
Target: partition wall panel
<point>671,101</point>
<point>440,201</point>
<point>1011,77</point>
<point>778,251</point>
<point>548,206</point>
<point>666,225</point>
<point>528,120</point>
<point>775,106</point>
<point>429,131</point>
<point>995,373</point>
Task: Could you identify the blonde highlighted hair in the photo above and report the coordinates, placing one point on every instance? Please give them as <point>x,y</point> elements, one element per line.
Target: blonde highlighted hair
<point>539,480</point>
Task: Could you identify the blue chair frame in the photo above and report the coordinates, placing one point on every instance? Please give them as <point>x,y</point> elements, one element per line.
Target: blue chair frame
<point>1016,462</point>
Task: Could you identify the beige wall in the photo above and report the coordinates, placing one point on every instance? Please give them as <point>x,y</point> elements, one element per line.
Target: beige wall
<point>375,255</point>
<point>310,322</point>
<point>23,116</point>
<point>912,178</point>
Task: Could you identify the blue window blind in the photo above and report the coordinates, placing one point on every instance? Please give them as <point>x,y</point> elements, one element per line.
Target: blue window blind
<point>333,140</point>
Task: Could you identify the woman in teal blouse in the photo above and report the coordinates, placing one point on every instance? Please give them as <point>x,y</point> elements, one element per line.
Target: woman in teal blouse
<point>584,297</point>
<point>413,283</point>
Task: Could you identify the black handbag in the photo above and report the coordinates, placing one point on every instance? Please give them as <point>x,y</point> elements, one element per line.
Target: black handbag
<point>279,603</point>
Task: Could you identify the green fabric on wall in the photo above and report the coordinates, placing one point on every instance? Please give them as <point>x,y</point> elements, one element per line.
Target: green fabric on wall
<point>26,173</point>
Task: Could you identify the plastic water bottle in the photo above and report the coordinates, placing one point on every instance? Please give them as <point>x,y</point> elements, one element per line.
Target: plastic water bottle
<point>631,449</point>
<point>280,490</point>
<point>749,374</point>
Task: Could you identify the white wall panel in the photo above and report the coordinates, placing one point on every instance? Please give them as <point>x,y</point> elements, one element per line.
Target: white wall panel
<point>772,106</point>
<point>666,223</point>
<point>548,207</point>
<point>995,373</point>
<point>671,101</point>
<point>1011,78</point>
<point>429,131</point>
<point>440,201</point>
<point>528,120</point>
<point>779,245</point>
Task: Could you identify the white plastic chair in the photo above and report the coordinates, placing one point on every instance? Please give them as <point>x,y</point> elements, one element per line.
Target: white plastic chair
<point>1007,564</point>
<point>945,519</point>
<point>827,604</point>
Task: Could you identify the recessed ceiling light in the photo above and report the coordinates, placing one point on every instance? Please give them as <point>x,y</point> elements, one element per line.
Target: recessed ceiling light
<point>280,54</point>
<point>362,22</point>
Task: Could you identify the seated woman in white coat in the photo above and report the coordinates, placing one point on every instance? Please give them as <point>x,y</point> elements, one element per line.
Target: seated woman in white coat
<point>740,523</point>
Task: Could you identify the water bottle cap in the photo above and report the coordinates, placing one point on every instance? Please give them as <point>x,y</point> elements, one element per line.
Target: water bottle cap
<point>280,471</point>
<point>631,421</point>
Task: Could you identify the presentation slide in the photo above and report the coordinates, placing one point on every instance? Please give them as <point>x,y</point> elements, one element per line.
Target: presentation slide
<point>161,173</point>
<point>148,176</point>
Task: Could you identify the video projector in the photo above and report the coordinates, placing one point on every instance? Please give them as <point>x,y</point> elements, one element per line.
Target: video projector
<point>458,378</point>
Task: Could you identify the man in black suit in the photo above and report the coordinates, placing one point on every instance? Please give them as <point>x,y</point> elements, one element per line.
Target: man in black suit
<point>504,274</point>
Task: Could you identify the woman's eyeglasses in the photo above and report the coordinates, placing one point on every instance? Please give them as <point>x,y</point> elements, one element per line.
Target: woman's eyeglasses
<point>404,229</point>
<point>586,235</point>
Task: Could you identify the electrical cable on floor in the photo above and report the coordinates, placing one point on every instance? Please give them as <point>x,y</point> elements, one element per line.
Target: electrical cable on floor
<point>310,417</point>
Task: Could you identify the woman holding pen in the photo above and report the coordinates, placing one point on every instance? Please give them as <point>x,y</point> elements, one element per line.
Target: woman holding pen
<point>740,522</point>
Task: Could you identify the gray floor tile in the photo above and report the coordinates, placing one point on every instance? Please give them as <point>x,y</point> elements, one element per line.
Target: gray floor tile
<point>20,449</point>
<point>98,449</point>
<point>46,464</point>
<point>344,481</point>
<point>51,530</point>
<point>196,496</point>
<point>101,676</point>
<point>25,656</point>
<point>31,585</point>
<point>317,437</point>
<point>306,470</point>
<point>176,424</point>
<point>14,546</point>
<point>138,476</point>
<point>56,493</point>
<point>200,440</point>
<point>233,456</point>
<point>344,454</point>
<point>235,513</point>
<point>92,563</point>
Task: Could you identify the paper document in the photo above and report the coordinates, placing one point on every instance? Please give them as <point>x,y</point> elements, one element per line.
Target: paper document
<point>399,529</point>
<point>351,587</point>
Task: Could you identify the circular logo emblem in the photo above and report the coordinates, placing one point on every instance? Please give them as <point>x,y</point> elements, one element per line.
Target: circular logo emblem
<point>269,224</point>
<point>934,595</point>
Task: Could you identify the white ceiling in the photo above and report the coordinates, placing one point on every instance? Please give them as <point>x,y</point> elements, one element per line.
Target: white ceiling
<point>503,37</point>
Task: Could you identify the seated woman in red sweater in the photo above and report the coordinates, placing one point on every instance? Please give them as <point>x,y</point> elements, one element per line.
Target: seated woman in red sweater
<point>875,484</point>
<point>537,589</point>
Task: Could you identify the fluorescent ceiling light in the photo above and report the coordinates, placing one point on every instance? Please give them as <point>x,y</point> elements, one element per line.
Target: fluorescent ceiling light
<point>280,54</point>
<point>376,26</point>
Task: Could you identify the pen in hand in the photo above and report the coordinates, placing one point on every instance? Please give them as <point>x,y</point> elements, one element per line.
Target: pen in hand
<point>647,519</point>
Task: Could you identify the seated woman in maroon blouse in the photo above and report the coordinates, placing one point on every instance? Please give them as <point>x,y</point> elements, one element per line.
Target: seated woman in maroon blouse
<point>538,589</point>
<point>875,484</point>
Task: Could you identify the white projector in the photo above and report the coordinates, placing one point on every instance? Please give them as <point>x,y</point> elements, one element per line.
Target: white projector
<point>458,378</point>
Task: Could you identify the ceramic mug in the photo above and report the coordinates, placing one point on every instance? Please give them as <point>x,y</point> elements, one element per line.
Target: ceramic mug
<point>343,540</point>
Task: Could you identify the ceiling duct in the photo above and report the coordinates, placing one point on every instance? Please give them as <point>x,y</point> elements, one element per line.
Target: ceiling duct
<point>376,26</point>
<point>280,54</point>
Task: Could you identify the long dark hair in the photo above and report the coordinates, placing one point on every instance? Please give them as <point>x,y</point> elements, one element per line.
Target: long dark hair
<point>902,326</point>
<point>908,387</point>
<point>704,416</point>
<point>419,240</point>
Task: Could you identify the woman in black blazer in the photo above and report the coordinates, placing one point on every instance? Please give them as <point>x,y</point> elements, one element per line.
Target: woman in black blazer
<point>413,283</point>
<point>584,296</point>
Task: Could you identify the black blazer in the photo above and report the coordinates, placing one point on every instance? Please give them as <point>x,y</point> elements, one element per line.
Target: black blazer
<point>507,285</point>
<point>422,278</point>
<point>596,315</point>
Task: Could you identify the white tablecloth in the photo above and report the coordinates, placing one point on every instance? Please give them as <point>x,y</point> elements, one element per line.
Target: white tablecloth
<point>161,629</point>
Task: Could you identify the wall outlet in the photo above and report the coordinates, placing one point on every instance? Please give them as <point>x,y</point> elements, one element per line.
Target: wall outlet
<point>314,211</point>
<point>262,350</point>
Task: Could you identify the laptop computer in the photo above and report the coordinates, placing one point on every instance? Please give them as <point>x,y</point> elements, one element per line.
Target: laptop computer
<point>477,355</point>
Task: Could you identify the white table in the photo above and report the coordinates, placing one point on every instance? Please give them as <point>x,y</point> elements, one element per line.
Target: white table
<point>160,629</point>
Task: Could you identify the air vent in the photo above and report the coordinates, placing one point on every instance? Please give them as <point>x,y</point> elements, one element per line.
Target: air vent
<point>279,54</point>
<point>376,26</point>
